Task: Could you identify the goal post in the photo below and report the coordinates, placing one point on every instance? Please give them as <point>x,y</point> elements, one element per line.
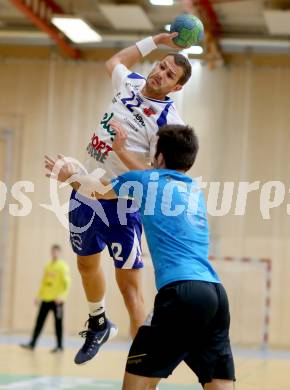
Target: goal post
<point>248,282</point>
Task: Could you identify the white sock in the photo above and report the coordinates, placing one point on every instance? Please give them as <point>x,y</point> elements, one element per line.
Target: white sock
<point>96,308</point>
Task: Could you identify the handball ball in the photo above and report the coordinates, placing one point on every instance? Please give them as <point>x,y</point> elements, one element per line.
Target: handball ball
<point>190,30</point>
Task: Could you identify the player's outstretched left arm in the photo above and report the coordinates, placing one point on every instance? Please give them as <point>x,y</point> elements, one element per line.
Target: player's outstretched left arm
<point>127,157</point>
<point>65,171</point>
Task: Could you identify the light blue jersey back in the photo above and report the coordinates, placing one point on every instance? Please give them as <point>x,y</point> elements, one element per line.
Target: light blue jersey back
<point>173,213</point>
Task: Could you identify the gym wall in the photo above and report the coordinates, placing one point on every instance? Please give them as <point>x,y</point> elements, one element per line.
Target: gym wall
<point>241,115</point>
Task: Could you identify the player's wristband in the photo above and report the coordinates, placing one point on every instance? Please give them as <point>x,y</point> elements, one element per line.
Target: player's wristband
<point>146,45</point>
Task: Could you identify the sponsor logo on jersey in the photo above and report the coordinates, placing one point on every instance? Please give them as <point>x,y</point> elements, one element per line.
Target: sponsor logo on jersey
<point>115,100</point>
<point>149,111</point>
<point>98,149</point>
<point>132,86</point>
<point>105,124</point>
<point>131,125</point>
<point>139,120</point>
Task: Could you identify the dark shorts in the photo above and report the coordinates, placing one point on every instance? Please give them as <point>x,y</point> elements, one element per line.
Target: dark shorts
<point>190,323</point>
<point>95,224</point>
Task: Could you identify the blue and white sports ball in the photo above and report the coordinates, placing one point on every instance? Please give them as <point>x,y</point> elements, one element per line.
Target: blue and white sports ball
<point>190,30</point>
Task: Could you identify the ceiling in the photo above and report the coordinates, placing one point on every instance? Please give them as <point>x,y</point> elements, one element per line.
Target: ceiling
<point>240,20</point>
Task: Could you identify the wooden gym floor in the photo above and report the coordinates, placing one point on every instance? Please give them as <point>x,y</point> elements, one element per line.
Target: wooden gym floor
<point>21,369</point>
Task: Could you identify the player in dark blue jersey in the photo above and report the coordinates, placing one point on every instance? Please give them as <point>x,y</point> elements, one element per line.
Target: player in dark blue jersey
<point>191,312</point>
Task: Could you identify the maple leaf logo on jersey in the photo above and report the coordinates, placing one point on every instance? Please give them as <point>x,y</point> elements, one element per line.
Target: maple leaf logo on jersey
<point>149,111</point>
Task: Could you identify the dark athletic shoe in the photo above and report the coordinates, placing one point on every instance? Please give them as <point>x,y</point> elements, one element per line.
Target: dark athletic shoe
<point>94,340</point>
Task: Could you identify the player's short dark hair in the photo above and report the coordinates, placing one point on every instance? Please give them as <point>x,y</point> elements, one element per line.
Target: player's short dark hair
<point>178,145</point>
<point>182,61</point>
<point>56,247</point>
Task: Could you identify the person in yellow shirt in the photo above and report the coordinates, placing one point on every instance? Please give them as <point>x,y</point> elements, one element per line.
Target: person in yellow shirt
<point>51,297</point>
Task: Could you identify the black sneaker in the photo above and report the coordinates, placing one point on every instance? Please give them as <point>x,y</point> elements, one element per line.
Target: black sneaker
<point>56,350</point>
<point>28,346</point>
<point>94,340</point>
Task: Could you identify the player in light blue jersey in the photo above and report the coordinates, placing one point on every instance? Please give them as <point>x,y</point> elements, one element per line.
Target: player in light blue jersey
<point>173,214</point>
<point>191,316</point>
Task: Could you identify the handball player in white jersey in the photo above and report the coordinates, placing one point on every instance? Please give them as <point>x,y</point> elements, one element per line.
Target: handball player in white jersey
<point>142,106</point>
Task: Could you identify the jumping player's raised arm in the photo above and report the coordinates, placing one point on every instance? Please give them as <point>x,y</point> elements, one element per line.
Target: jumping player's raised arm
<point>133,54</point>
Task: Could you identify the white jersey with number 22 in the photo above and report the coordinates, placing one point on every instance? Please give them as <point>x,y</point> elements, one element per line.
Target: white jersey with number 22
<point>139,115</point>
